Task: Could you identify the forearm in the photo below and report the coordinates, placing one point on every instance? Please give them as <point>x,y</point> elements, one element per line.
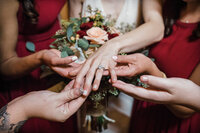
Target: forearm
<point>19,66</point>
<point>11,119</point>
<point>140,37</point>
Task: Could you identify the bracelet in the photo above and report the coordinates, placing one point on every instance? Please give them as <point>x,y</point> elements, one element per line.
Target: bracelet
<point>163,75</point>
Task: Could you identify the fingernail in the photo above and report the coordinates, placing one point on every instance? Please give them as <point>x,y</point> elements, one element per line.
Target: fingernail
<point>95,87</point>
<point>144,78</point>
<point>84,92</point>
<point>74,58</point>
<point>114,57</point>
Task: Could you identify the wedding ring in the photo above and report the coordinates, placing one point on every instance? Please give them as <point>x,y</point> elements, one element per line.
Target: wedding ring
<point>101,67</point>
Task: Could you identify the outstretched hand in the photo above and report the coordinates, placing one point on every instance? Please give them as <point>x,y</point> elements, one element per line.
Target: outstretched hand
<point>94,66</point>
<point>134,64</point>
<point>48,105</point>
<point>167,91</point>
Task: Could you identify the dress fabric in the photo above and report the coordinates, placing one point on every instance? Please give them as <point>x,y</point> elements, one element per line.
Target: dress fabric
<point>40,34</point>
<point>176,56</point>
<point>120,106</point>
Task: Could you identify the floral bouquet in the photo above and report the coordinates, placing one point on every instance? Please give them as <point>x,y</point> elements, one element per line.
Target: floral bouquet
<point>82,37</point>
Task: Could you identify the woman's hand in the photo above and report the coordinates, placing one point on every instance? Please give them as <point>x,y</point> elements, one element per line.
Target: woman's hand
<point>47,105</point>
<point>62,66</point>
<point>103,57</point>
<point>134,64</point>
<point>166,91</point>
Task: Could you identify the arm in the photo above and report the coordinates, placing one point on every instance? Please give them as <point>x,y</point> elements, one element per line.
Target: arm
<point>134,40</point>
<point>47,105</point>
<point>8,40</point>
<point>75,7</point>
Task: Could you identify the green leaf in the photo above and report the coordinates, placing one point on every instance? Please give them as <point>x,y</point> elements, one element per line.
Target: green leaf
<point>30,46</point>
<point>52,46</point>
<point>58,36</point>
<point>70,32</point>
<point>94,45</point>
<point>64,54</point>
<point>74,19</point>
<point>68,50</point>
<point>83,19</point>
<point>83,43</point>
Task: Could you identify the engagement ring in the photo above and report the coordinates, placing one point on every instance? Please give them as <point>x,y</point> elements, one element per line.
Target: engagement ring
<point>101,67</point>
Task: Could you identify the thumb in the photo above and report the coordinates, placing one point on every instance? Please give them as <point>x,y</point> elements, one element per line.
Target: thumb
<point>157,82</point>
<point>69,95</point>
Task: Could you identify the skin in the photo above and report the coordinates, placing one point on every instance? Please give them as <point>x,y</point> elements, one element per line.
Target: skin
<point>128,42</point>
<point>131,65</point>
<point>48,105</point>
<point>166,91</point>
<point>8,55</point>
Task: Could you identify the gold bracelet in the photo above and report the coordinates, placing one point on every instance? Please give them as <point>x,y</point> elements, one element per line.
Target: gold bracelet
<point>164,75</point>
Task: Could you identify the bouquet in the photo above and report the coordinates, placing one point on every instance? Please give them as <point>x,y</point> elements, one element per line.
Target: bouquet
<point>82,37</point>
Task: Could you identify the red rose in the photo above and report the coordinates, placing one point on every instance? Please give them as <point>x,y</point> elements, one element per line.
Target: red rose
<point>81,33</point>
<point>86,26</point>
<point>105,28</point>
<point>110,36</point>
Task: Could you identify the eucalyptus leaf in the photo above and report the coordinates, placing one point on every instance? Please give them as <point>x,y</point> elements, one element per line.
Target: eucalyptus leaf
<point>94,45</point>
<point>84,19</point>
<point>70,32</point>
<point>68,50</point>
<point>83,43</point>
<point>64,54</point>
<point>52,46</point>
<point>30,46</point>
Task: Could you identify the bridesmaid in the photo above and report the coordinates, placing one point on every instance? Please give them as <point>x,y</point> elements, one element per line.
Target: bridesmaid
<point>177,55</point>
<point>22,23</point>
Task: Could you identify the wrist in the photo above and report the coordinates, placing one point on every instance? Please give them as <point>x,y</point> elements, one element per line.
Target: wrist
<point>16,111</point>
<point>40,56</point>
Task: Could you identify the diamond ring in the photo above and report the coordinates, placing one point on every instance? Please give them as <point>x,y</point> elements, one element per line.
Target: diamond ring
<point>101,67</point>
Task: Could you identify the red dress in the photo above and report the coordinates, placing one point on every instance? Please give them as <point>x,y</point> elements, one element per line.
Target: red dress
<point>176,56</point>
<point>40,34</point>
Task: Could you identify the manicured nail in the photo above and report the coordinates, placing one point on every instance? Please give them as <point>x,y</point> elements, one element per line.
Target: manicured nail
<point>74,58</point>
<point>114,57</point>
<point>95,87</point>
<point>144,78</point>
<point>84,92</point>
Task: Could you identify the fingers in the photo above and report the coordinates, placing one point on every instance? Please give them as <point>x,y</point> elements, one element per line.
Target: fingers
<point>113,75</point>
<point>70,94</point>
<point>63,61</point>
<point>124,58</point>
<point>97,80</point>
<point>143,93</point>
<point>125,71</point>
<point>74,72</point>
<point>81,74</point>
<point>157,82</point>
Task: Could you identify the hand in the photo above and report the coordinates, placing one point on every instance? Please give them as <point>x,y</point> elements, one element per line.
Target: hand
<point>48,105</point>
<point>62,66</point>
<point>167,91</point>
<point>102,57</point>
<point>134,64</point>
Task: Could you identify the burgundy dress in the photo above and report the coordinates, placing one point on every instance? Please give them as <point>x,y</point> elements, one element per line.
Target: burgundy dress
<point>40,34</point>
<point>176,56</point>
